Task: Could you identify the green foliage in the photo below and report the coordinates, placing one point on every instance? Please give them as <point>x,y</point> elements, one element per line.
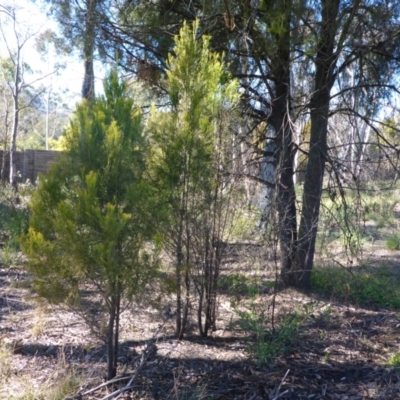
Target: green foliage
<point>342,220</point>
<point>238,285</point>
<point>393,242</point>
<point>394,360</point>
<point>378,286</point>
<point>14,215</point>
<point>244,223</point>
<point>189,161</point>
<point>91,216</point>
<point>379,207</point>
<point>186,136</point>
<point>267,345</point>
<point>88,214</point>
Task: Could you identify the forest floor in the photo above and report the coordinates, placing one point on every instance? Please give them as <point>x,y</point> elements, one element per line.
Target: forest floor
<point>334,350</point>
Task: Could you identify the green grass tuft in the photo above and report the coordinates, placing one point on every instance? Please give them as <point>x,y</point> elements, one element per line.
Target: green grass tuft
<point>394,360</point>
<point>265,346</point>
<point>366,286</point>
<point>393,242</point>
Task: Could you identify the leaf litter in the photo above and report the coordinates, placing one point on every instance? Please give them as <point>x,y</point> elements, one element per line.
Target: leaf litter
<point>340,351</point>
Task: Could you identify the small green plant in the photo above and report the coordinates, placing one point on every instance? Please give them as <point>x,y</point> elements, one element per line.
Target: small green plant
<point>244,224</point>
<point>393,242</point>
<point>268,345</point>
<point>379,207</point>
<point>238,285</point>
<point>394,360</point>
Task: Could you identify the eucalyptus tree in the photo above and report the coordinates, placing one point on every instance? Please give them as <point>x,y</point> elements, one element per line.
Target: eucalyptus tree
<point>15,71</point>
<point>5,106</point>
<point>80,27</point>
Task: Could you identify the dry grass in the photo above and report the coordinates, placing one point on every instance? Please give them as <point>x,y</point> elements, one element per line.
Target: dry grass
<point>16,383</point>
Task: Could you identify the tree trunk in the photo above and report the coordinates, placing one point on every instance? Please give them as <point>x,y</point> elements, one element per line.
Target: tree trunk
<point>116,329</point>
<point>13,140</point>
<point>268,170</point>
<point>281,122</point>
<point>5,140</point>
<point>324,66</point>
<point>88,50</point>
<point>14,130</point>
<point>111,362</point>
<point>178,277</point>
<point>286,198</point>
<point>186,305</point>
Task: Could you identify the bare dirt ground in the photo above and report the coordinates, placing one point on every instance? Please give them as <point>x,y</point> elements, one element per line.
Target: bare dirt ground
<point>340,352</point>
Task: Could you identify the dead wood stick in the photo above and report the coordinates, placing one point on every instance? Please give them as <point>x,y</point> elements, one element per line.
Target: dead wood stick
<point>128,386</point>
<point>148,352</point>
<point>114,380</point>
<point>277,395</point>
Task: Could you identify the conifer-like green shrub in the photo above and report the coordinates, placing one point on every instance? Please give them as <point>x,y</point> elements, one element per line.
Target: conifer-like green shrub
<point>190,165</point>
<point>88,243</point>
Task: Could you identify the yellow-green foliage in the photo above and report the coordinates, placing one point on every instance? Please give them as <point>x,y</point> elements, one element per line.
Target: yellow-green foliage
<point>393,242</point>
<point>185,137</point>
<point>189,140</point>
<point>93,213</point>
<point>394,360</point>
<point>189,161</point>
<point>380,206</point>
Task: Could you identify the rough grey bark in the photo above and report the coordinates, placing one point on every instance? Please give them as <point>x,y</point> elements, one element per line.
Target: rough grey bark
<point>319,107</point>
<point>88,50</point>
<point>269,164</point>
<point>13,139</point>
<point>280,119</point>
<point>5,141</point>
<point>111,370</point>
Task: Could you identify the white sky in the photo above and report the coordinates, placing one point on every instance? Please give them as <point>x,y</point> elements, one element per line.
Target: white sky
<point>31,19</point>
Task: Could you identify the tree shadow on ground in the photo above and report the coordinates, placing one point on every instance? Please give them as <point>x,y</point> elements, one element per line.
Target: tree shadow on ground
<point>302,373</point>
<point>337,354</point>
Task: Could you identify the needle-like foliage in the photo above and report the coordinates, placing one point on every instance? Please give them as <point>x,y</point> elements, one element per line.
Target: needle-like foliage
<point>90,216</point>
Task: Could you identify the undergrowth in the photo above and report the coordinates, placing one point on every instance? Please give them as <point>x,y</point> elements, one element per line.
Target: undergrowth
<point>393,242</point>
<point>62,382</point>
<point>14,216</point>
<point>266,344</point>
<point>394,360</point>
<point>363,286</point>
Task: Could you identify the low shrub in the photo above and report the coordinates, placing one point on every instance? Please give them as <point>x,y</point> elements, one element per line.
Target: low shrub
<point>393,242</point>
<point>265,344</point>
